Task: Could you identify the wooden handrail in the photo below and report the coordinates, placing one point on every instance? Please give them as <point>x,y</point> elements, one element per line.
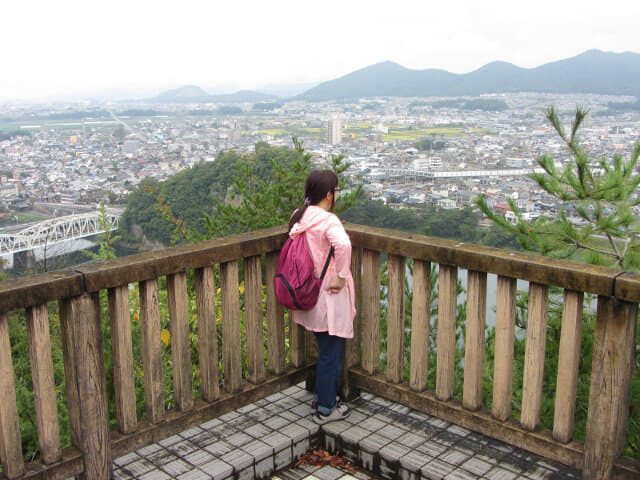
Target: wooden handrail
<point>76,291</point>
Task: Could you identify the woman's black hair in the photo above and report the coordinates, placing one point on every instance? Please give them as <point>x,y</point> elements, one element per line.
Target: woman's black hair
<point>319,183</point>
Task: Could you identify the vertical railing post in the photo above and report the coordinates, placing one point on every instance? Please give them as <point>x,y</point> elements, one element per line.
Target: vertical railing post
<point>121,345</point>
<point>395,319</point>
<point>446,353</point>
<point>255,330</point>
<point>44,389</point>
<point>504,345</point>
<point>613,359</point>
<point>474,339</point>
<point>231,348</point>
<point>371,312</point>
<point>353,349</point>
<point>84,328</point>
<point>150,329</point>
<point>207,336</point>
<point>420,317</point>
<point>534,355</point>
<point>568,366</point>
<point>275,319</point>
<point>10,443</point>
<point>180,341</point>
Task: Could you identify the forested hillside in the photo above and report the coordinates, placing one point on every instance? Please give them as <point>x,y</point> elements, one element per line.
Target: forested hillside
<point>195,194</point>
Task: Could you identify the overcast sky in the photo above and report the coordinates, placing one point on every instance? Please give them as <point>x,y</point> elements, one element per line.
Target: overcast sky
<point>79,47</point>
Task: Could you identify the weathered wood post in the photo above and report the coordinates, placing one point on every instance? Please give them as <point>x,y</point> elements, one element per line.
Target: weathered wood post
<point>613,358</point>
<point>82,327</point>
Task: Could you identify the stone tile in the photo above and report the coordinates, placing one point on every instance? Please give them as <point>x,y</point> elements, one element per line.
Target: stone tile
<point>300,448</point>
<point>161,457</point>
<point>294,432</point>
<point>411,439</point>
<point>399,409</point>
<point>356,417</point>
<point>461,431</point>
<point>258,450</point>
<point>153,475</point>
<point>498,473</point>
<point>276,422</point>
<point>302,410</point>
<point>328,473</point>
<point>432,448</point>
<point>176,467</point>
<point>229,416</point>
<point>203,439</point>
<point>436,422</point>
<point>192,432</point>
<point>170,440</point>
<point>309,425</point>
<point>354,434</point>
<point>247,408</point>
<point>264,468</point>
<point>195,475</point>
<point>127,459</point>
<point>277,440</point>
<point>199,457</point>
<point>391,432</point>
<point>259,415</point>
<point>149,449</point>
<point>291,390</point>
<point>239,439</point>
<point>414,461</point>
<point>218,469</point>
<point>182,448</point>
<point>246,474</point>
<point>258,431</point>
<point>373,443</point>
<point>238,459</point>
<point>138,467</point>
<point>118,474</point>
<point>436,470</point>
<point>289,415</point>
<point>372,424</point>
<point>393,451</point>
<point>456,456</point>
<point>460,474</point>
<point>211,424</point>
<point>476,466</point>
<point>283,458</point>
<point>335,428</point>
<point>219,448</point>
<point>539,472</point>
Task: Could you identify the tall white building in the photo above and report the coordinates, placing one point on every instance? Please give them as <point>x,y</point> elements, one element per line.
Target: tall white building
<point>334,129</point>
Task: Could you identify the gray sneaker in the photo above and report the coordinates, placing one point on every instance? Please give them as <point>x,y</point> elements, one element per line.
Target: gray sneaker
<point>339,413</point>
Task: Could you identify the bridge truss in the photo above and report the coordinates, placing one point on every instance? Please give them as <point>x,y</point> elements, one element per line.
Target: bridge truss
<point>56,230</point>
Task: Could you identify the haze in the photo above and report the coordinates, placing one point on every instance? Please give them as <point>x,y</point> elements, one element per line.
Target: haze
<point>70,49</point>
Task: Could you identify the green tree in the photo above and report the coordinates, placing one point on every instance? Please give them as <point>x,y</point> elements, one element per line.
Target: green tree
<point>601,193</point>
<point>106,240</point>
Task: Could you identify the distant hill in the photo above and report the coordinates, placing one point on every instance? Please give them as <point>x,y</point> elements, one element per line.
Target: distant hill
<point>593,71</point>
<point>194,94</point>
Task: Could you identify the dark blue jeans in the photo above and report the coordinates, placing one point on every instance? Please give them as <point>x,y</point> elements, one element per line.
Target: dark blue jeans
<point>331,351</point>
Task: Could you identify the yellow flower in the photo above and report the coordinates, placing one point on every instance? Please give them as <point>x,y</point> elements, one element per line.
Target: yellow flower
<point>241,289</point>
<point>136,316</point>
<point>165,336</point>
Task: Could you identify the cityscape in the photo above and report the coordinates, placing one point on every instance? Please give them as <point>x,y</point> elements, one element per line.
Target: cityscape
<point>418,153</point>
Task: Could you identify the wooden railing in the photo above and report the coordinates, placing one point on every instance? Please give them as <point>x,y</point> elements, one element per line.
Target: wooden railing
<point>94,445</point>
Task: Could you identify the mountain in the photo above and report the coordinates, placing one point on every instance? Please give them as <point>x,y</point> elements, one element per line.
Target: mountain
<point>593,71</point>
<point>194,94</point>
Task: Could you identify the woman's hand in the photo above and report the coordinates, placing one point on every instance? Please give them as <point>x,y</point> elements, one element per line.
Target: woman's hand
<point>335,285</point>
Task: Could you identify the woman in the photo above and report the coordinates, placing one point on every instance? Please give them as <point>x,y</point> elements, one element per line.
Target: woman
<point>331,319</point>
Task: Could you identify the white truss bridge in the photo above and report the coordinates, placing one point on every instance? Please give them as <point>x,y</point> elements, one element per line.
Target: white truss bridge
<point>56,230</point>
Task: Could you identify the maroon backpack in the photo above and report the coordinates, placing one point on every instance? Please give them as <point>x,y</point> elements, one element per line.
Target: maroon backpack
<point>296,286</point>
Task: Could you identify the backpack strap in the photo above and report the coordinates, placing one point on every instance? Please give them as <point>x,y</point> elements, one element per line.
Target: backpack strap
<point>326,264</point>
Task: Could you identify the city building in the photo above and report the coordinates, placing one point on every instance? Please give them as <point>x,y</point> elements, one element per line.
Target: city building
<point>334,129</point>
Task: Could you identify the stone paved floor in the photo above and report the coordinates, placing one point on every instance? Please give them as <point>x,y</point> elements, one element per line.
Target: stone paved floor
<point>385,438</point>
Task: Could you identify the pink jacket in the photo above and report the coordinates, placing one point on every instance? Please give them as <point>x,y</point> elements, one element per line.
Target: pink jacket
<point>334,312</point>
